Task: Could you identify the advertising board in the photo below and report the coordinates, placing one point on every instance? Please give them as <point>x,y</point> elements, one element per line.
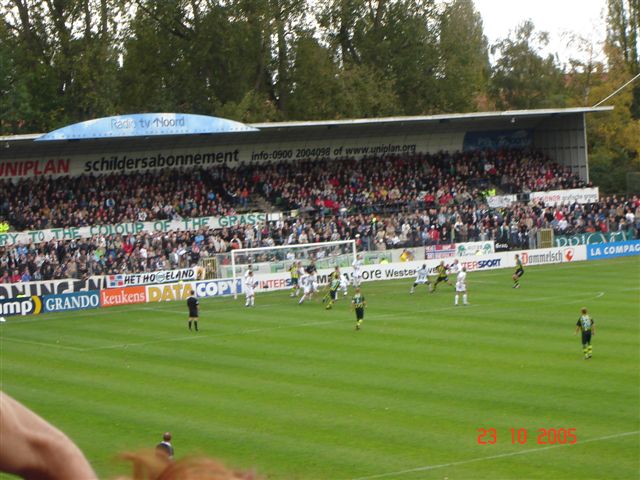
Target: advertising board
<point>150,278</point>
<point>613,249</point>
<point>112,297</point>
<point>49,287</point>
<point>70,301</point>
<point>216,288</point>
<point>169,292</point>
<point>20,306</point>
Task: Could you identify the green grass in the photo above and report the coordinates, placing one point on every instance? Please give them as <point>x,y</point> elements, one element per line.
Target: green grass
<point>294,392</point>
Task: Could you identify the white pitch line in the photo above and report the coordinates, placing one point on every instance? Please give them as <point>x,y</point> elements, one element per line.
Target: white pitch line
<point>41,344</point>
<point>491,457</point>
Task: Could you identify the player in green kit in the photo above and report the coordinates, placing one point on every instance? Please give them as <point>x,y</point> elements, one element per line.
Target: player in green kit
<point>518,273</point>
<point>358,303</point>
<point>442,272</point>
<point>586,325</point>
<point>294,270</point>
<point>334,285</point>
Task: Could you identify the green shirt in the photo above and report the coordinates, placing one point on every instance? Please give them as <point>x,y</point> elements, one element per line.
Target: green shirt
<point>585,322</point>
<point>293,269</point>
<point>358,300</point>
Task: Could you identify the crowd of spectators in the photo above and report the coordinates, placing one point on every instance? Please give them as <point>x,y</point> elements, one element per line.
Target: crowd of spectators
<point>515,226</point>
<point>382,203</point>
<point>396,183</point>
<point>41,203</point>
<point>369,185</point>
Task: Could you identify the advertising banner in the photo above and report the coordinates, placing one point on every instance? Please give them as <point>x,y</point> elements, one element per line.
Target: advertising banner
<point>216,288</point>
<point>230,155</point>
<point>475,248</point>
<point>71,301</point>
<point>497,139</point>
<point>20,306</point>
<point>589,238</point>
<point>464,249</point>
<point>613,249</point>
<point>130,228</point>
<point>566,197</point>
<point>112,297</point>
<point>163,276</point>
<point>49,287</point>
<point>440,251</point>
<point>501,201</point>
<point>169,292</point>
<point>551,198</point>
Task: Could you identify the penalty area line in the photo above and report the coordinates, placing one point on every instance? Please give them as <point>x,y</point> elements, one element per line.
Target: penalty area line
<point>491,457</point>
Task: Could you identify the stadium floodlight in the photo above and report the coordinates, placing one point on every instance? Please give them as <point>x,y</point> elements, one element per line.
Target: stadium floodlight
<point>340,253</point>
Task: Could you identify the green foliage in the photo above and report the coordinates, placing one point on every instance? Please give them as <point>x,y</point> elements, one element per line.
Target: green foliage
<point>261,60</point>
<point>522,78</point>
<point>464,57</point>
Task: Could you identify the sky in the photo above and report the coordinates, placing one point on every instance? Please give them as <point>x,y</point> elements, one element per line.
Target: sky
<point>558,17</point>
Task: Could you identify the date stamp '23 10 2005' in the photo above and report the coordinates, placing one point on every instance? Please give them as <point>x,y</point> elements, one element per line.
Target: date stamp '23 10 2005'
<point>546,436</point>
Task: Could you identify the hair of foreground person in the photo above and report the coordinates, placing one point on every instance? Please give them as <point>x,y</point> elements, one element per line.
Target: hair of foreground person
<point>148,465</point>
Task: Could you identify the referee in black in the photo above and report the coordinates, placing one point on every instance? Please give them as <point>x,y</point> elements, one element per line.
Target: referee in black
<point>586,325</point>
<point>194,309</point>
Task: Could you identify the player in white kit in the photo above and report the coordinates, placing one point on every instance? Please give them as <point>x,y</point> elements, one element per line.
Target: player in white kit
<point>357,271</point>
<point>461,286</point>
<point>250,284</point>
<point>422,278</point>
<point>344,284</point>
<point>309,285</point>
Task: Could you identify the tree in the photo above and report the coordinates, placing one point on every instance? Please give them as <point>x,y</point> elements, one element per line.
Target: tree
<point>623,34</point>
<point>522,78</point>
<point>396,39</point>
<point>464,57</point>
<point>65,56</point>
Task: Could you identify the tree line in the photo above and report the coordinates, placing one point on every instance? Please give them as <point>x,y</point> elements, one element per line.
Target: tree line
<point>64,61</point>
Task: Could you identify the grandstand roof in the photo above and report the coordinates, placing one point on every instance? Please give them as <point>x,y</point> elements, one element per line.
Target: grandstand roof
<point>20,146</point>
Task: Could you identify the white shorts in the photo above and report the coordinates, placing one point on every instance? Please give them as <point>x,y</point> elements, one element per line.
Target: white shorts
<point>461,287</point>
<point>248,291</point>
<point>307,289</point>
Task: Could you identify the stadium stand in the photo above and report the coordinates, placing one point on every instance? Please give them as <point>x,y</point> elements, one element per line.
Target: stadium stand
<point>389,202</point>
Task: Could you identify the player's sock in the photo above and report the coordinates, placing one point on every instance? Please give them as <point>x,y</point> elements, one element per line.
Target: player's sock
<point>590,350</point>
<point>301,300</point>
<point>456,302</point>
<point>189,324</point>
<point>464,299</point>
<point>585,351</point>
<point>196,325</point>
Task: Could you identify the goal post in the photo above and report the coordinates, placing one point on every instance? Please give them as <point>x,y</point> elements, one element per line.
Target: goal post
<point>280,258</point>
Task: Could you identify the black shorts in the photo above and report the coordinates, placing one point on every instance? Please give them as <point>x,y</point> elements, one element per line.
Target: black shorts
<point>294,281</point>
<point>519,273</point>
<point>193,314</point>
<point>334,293</point>
<point>442,279</point>
<point>586,337</point>
<point>359,313</point>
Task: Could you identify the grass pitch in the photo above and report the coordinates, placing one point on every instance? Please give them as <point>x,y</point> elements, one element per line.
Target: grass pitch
<point>296,393</point>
